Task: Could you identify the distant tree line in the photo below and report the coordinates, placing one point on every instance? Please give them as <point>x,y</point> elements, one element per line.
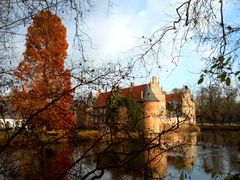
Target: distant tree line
<point>218,104</point>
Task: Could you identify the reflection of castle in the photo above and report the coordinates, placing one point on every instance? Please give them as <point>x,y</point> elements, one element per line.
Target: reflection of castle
<point>157,164</point>
<point>185,155</point>
<point>182,157</point>
<point>159,108</point>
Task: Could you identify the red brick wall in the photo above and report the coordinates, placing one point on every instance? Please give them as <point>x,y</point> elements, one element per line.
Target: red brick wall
<point>152,114</point>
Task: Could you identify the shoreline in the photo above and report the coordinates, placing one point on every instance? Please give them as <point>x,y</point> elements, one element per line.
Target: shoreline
<point>225,127</point>
<point>89,135</point>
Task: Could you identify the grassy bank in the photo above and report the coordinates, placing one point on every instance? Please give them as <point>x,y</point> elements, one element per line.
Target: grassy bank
<point>79,136</point>
<point>86,135</point>
<point>29,138</point>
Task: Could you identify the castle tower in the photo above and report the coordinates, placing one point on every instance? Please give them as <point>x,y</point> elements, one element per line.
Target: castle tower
<point>158,92</point>
<point>152,111</point>
<point>188,105</point>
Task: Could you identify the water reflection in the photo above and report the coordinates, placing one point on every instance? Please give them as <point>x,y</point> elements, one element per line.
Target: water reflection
<point>121,159</point>
<point>41,163</point>
<point>157,164</point>
<point>135,160</point>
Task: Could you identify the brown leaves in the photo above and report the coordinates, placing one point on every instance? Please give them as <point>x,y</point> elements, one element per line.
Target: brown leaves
<point>42,76</point>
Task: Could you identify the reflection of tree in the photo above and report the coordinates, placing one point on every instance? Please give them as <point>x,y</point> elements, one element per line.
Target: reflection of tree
<point>120,157</point>
<point>234,159</point>
<point>19,162</point>
<point>47,163</point>
<point>221,160</point>
<point>221,157</point>
<point>56,160</point>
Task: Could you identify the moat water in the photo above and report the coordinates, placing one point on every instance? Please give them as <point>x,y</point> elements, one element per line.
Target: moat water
<point>209,155</point>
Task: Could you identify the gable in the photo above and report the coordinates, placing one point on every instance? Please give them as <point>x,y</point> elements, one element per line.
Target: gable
<point>173,97</point>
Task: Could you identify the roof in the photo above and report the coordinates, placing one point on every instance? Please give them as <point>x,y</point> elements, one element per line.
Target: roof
<point>148,95</point>
<point>173,97</point>
<point>131,92</point>
<point>135,93</point>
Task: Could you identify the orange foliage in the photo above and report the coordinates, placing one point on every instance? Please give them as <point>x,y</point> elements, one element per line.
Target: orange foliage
<point>42,77</point>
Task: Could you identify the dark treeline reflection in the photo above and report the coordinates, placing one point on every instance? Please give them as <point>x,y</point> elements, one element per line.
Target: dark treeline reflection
<point>40,163</point>
<point>120,159</point>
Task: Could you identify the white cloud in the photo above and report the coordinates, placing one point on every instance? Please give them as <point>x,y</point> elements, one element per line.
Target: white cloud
<point>115,34</point>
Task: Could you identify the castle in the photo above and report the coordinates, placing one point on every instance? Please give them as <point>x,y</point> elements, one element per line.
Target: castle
<point>160,108</point>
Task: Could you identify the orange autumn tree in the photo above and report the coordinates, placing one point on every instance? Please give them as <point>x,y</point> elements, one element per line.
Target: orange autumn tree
<point>41,76</point>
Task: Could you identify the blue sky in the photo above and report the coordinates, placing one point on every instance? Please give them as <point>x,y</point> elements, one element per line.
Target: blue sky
<point>115,32</point>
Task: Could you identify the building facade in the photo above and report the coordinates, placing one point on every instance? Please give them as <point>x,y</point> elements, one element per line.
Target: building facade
<point>160,108</point>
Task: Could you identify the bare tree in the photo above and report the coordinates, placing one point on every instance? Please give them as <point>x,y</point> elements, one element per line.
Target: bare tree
<point>208,25</point>
<point>217,104</point>
<point>15,15</point>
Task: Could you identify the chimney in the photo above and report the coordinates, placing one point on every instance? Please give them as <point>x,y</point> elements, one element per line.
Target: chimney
<point>132,84</point>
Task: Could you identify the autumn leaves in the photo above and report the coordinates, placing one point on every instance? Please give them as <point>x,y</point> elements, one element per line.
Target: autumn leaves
<point>43,81</point>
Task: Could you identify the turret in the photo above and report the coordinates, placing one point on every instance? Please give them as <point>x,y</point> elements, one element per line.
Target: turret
<point>188,105</point>
<point>152,111</point>
<point>148,95</point>
<point>158,92</point>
